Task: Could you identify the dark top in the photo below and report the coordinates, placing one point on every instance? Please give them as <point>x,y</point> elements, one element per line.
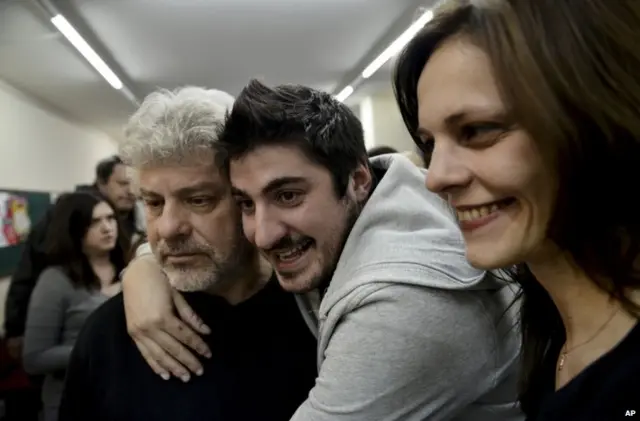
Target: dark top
<point>32,262</point>
<point>262,368</point>
<point>607,390</point>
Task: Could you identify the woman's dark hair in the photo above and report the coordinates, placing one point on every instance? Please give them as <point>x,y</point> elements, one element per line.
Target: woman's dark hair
<point>568,72</point>
<point>71,218</point>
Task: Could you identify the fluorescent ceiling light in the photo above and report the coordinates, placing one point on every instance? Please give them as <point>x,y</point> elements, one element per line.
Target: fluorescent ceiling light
<point>85,49</point>
<point>397,45</point>
<point>344,94</point>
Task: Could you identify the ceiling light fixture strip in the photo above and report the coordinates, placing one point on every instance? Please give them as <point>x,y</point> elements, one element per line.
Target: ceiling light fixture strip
<point>392,50</point>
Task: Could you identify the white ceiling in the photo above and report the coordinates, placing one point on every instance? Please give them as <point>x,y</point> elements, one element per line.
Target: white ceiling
<point>212,43</point>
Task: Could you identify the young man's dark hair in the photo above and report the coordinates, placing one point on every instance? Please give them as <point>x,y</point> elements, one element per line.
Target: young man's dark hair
<point>326,130</point>
<point>380,150</point>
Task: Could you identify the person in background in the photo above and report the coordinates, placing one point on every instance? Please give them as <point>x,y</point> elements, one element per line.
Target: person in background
<point>32,263</point>
<point>529,113</point>
<point>262,363</point>
<point>85,255</point>
<point>407,329</point>
<point>20,397</point>
<point>112,183</point>
<point>380,150</point>
<point>383,150</point>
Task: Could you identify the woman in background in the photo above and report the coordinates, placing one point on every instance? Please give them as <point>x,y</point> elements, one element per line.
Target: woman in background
<point>529,113</point>
<point>82,246</point>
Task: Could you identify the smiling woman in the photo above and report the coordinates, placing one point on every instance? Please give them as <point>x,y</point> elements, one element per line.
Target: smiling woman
<point>528,112</point>
<point>480,160</point>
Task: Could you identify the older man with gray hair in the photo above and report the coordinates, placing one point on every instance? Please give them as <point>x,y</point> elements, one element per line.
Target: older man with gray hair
<point>262,360</point>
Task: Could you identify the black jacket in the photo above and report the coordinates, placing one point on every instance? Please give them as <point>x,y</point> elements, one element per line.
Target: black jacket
<point>32,263</point>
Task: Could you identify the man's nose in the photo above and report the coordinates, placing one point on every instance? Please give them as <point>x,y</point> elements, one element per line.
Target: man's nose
<point>268,229</point>
<point>172,222</point>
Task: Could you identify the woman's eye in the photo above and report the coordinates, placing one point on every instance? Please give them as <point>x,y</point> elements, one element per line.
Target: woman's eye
<point>472,132</point>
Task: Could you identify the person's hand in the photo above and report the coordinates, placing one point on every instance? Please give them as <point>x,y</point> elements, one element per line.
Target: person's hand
<point>14,347</point>
<point>162,338</point>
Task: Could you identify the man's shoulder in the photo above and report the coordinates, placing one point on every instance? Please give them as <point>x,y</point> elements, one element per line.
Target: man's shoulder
<point>110,314</point>
<point>106,324</point>
<point>482,313</point>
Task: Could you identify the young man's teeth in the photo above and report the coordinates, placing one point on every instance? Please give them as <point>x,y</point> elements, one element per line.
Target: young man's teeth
<point>479,212</point>
<point>290,253</point>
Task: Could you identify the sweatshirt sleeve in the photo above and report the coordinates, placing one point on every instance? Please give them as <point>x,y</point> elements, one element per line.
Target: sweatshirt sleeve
<point>43,353</point>
<point>405,353</point>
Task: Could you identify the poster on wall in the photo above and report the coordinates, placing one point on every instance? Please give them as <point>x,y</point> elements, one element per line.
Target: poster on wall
<point>15,222</point>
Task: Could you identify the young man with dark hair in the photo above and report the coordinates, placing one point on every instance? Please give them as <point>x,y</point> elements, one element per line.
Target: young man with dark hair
<point>407,329</point>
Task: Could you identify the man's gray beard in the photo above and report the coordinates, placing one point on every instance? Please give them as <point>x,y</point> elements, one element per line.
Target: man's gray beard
<point>215,275</point>
<point>192,280</point>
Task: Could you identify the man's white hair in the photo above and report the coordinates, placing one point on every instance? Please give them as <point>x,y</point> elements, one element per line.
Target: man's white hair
<point>172,125</point>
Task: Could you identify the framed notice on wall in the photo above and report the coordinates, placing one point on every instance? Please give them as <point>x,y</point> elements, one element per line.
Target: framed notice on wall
<point>19,211</point>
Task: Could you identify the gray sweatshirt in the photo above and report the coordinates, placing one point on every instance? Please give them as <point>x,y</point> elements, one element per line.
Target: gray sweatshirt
<point>407,329</point>
<point>57,312</point>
